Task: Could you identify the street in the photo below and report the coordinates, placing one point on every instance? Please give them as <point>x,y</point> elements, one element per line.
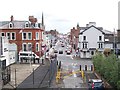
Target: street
<point>71,67</point>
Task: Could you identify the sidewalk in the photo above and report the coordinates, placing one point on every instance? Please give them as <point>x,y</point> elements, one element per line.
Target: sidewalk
<point>22,72</point>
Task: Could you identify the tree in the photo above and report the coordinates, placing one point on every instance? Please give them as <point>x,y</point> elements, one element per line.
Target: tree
<point>108,68</point>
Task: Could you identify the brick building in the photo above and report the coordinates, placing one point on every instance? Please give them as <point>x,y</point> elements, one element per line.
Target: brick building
<point>27,35</point>
<point>74,37</point>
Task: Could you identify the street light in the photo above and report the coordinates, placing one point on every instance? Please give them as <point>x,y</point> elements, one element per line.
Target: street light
<point>114,41</point>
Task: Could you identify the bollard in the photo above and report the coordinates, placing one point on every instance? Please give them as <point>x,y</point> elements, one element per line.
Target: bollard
<point>59,66</point>
<point>57,62</point>
<point>80,67</point>
<point>58,76</point>
<point>82,73</point>
<point>85,67</point>
<point>42,61</point>
<point>91,67</point>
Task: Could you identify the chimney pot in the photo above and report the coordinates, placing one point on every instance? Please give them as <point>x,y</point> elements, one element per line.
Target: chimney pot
<point>11,18</point>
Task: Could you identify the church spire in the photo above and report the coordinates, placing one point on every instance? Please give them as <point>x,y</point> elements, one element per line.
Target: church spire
<point>78,26</point>
<point>42,19</point>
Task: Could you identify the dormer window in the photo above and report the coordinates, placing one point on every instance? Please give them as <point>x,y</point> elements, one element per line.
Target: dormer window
<point>36,25</point>
<point>10,25</point>
<point>26,24</point>
<point>39,25</point>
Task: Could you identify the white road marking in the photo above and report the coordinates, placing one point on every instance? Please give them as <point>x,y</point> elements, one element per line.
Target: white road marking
<point>74,74</point>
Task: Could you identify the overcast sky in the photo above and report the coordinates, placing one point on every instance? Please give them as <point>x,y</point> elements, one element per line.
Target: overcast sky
<point>63,15</point>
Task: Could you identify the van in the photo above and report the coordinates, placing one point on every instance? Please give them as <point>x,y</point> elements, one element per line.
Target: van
<point>28,55</point>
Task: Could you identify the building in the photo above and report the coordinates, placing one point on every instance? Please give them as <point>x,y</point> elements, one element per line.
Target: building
<point>4,57</point>
<point>26,35</point>
<point>74,37</point>
<point>92,39</point>
<point>52,36</point>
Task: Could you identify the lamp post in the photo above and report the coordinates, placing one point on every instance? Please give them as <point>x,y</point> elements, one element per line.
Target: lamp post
<point>114,43</point>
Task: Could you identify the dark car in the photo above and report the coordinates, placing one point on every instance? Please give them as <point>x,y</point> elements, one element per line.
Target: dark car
<point>62,45</point>
<point>95,84</point>
<point>60,52</point>
<point>55,51</point>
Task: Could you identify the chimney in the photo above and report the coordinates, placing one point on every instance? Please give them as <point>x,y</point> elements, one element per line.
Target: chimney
<point>87,25</point>
<point>73,27</point>
<point>11,18</point>
<point>31,18</point>
<point>92,23</point>
<point>35,20</point>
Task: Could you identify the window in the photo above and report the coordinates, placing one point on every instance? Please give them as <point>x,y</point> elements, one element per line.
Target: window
<point>39,25</point>
<point>8,35</point>
<point>85,45</point>
<point>37,47</point>
<point>1,46</point>
<point>84,37</point>
<point>10,25</point>
<point>37,35</point>
<point>24,47</point>
<point>3,34</point>
<point>3,64</point>
<point>100,38</point>
<point>92,52</point>
<point>26,24</point>
<point>13,36</point>
<point>24,36</point>
<point>29,46</point>
<point>29,36</point>
<point>100,45</point>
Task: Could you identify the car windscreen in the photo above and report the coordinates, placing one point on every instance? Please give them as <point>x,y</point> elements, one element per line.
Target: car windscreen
<point>23,54</point>
<point>98,84</point>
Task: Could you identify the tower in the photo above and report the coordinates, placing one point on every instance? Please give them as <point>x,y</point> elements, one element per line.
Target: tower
<point>42,19</point>
<point>43,26</point>
<point>78,26</point>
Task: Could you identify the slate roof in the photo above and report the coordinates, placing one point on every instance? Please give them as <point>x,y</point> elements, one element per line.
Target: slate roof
<point>99,28</point>
<point>83,29</point>
<point>16,24</point>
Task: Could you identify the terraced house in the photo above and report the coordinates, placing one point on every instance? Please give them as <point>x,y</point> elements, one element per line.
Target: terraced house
<point>26,35</point>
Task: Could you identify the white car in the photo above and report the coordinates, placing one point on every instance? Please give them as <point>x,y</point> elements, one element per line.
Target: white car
<point>68,52</point>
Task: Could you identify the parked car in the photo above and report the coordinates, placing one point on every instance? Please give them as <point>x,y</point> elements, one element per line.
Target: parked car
<point>60,51</point>
<point>95,84</point>
<point>68,52</point>
<point>62,45</point>
<point>55,51</point>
